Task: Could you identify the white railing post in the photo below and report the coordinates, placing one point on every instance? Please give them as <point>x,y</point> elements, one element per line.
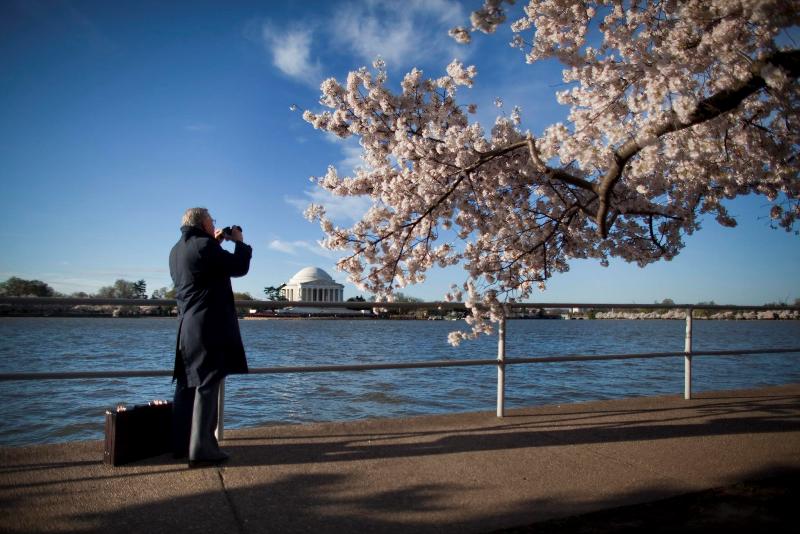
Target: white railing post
<point>220,432</point>
<point>501,366</point>
<point>687,357</point>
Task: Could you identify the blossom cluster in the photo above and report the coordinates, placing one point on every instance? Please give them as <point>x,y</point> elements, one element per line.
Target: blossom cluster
<point>676,107</point>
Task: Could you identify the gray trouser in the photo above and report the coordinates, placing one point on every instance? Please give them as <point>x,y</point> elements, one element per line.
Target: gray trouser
<point>195,419</point>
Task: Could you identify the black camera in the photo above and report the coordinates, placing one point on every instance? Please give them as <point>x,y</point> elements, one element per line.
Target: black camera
<point>228,230</point>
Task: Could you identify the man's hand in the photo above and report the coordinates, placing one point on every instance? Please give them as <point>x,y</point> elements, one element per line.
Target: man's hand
<point>236,234</point>
<point>218,235</point>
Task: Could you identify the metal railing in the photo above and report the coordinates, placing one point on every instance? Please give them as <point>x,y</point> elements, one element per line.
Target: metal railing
<point>501,362</point>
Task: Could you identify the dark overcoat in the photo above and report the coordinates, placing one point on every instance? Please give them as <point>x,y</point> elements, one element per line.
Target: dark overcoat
<point>209,344</point>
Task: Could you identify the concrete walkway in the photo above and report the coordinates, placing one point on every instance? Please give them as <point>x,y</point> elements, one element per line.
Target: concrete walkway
<point>452,473</point>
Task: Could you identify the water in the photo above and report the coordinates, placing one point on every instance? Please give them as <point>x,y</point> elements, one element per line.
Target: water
<point>55,411</point>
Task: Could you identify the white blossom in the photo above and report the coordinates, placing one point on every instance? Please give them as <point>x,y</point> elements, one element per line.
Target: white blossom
<point>314,212</point>
<point>460,34</point>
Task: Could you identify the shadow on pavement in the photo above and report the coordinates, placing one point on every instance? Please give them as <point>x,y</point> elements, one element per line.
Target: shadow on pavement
<point>757,505</point>
<point>316,503</point>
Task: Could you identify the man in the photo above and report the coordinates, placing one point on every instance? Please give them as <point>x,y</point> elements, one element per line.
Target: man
<point>209,344</point>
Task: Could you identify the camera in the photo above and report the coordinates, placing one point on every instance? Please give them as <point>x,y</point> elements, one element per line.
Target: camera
<point>228,230</point>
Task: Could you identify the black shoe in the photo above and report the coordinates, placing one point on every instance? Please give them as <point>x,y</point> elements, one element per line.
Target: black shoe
<point>209,462</point>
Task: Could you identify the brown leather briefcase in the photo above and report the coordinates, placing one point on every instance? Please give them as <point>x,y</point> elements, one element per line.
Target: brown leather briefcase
<point>136,433</point>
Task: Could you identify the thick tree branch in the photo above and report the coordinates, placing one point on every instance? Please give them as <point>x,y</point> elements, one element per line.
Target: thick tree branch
<point>707,109</point>
<point>556,174</point>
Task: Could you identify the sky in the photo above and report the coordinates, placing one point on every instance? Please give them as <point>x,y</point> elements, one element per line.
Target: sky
<point>117,116</point>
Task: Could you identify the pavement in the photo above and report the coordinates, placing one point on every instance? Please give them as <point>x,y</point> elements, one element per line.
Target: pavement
<point>459,473</point>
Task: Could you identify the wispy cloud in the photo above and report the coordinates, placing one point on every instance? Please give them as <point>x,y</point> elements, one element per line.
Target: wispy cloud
<point>352,158</point>
<point>298,247</point>
<point>343,210</point>
<point>340,209</point>
<point>370,28</point>
<point>290,50</point>
<point>351,152</point>
<point>394,30</point>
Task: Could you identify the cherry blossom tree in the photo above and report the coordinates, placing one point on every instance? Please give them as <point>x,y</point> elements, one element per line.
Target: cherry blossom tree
<point>674,107</point>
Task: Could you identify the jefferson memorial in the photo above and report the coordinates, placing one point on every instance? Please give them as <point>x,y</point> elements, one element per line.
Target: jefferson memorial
<point>312,284</point>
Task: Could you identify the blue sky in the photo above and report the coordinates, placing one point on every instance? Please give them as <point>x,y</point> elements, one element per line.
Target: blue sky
<point>116,116</point>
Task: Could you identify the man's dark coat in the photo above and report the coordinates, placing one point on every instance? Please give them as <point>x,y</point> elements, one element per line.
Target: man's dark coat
<point>209,344</point>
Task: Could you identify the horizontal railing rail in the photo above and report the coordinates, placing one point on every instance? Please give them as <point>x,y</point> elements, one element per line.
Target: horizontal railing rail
<point>422,364</point>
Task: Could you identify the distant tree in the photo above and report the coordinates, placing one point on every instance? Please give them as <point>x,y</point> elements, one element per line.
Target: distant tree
<point>18,287</point>
<point>80,295</point>
<point>358,298</point>
<point>122,289</point>
<point>140,289</point>
<point>163,293</point>
<point>274,293</point>
<point>665,302</point>
<point>242,296</point>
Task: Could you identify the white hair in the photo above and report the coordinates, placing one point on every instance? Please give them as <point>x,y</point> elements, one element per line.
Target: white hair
<point>194,217</point>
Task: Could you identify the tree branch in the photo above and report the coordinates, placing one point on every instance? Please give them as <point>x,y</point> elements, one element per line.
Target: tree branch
<point>556,174</point>
<point>707,109</point>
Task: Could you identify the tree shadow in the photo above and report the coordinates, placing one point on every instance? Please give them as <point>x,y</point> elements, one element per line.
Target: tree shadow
<point>765,502</point>
<point>320,503</point>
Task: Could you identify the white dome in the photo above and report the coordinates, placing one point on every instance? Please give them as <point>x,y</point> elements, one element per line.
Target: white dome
<point>310,274</point>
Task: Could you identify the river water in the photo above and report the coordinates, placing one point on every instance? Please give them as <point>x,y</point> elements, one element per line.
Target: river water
<point>67,410</point>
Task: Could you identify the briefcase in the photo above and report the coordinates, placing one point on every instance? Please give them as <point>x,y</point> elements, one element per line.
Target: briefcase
<point>136,433</point>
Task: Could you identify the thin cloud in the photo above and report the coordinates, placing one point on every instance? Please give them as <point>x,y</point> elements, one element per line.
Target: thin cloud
<point>340,209</point>
<point>394,30</point>
<point>351,151</point>
<point>297,247</point>
<point>352,158</point>
<point>291,53</point>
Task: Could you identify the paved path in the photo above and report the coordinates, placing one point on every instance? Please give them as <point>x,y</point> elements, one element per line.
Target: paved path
<point>451,473</point>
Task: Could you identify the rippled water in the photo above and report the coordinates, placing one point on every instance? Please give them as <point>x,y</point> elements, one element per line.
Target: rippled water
<point>66,410</point>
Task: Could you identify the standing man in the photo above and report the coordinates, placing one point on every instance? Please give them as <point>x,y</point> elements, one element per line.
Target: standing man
<point>209,345</point>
